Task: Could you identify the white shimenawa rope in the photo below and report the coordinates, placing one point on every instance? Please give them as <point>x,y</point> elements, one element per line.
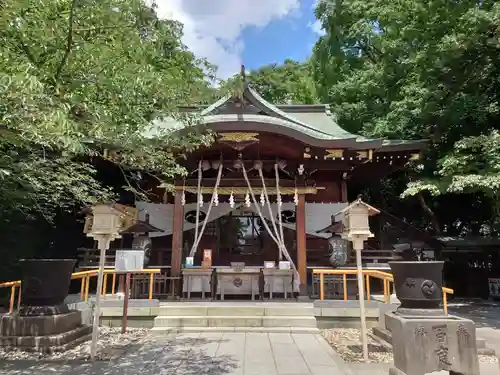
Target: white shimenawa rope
<point>273,222</point>
<point>252,194</point>
<point>198,238</point>
<point>278,242</point>
<point>198,195</point>
<point>278,198</point>
<point>282,249</point>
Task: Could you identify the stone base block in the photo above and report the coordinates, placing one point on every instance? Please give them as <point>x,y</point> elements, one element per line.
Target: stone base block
<point>49,343</point>
<point>33,326</point>
<point>43,310</point>
<point>46,334</point>
<point>422,345</point>
<point>385,335</point>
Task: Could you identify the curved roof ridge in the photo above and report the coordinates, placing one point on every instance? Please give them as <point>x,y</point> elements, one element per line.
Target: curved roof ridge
<point>283,114</point>
<point>215,105</point>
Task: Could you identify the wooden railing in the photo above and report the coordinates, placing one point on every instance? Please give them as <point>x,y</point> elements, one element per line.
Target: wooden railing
<point>89,258</point>
<point>85,277</point>
<point>386,278</point>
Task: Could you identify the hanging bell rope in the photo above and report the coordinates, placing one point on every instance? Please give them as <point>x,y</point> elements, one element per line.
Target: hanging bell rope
<point>214,194</point>
<point>271,214</point>
<point>198,196</point>
<point>278,194</point>
<point>278,242</point>
<point>252,194</point>
<point>281,246</point>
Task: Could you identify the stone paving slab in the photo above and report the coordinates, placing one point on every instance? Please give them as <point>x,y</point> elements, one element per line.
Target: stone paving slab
<point>208,353</point>
<point>383,369</point>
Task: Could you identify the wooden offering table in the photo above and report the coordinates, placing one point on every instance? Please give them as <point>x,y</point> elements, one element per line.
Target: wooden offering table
<point>238,281</point>
<point>278,281</point>
<point>197,280</point>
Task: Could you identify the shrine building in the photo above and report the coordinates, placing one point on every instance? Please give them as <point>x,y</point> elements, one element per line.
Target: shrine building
<point>265,191</point>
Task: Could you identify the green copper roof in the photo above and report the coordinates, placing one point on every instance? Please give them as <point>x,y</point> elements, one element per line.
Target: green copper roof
<point>313,124</point>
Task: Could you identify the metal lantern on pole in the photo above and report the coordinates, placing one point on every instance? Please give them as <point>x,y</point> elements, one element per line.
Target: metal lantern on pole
<point>357,230</point>
<point>106,223</point>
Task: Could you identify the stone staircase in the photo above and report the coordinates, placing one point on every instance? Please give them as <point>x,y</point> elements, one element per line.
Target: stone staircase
<point>236,317</point>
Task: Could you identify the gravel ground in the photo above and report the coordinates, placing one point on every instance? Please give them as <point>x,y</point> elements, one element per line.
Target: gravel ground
<point>112,344</point>
<point>347,342</point>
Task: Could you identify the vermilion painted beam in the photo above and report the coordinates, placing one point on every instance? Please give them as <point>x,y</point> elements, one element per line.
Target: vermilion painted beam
<point>300,214</point>
<point>177,229</point>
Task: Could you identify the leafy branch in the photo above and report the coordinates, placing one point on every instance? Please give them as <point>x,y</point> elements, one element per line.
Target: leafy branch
<point>69,40</point>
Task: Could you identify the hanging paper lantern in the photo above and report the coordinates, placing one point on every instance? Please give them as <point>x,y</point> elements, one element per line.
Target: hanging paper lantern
<point>183,198</point>
<point>296,197</point>
<point>216,198</point>
<point>247,200</point>
<point>262,199</point>
<point>200,199</point>
<point>231,200</point>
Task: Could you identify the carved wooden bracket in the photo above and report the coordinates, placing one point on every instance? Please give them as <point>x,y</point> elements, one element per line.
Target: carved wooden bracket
<point>332,154</point>
<point>238,141</point>
<point>365,154</point>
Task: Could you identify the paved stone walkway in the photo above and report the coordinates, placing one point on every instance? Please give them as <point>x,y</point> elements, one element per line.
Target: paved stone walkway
<point>486,315</point>
<point>208,354</point>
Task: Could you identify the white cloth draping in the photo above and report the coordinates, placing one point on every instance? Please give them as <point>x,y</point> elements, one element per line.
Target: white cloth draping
<point>162,215</point>
<point>318,215</point>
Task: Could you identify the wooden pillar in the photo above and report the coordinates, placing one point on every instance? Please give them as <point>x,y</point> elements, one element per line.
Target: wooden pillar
<point>178,220</point>
<point>300,214</point>
<point>343,191</point>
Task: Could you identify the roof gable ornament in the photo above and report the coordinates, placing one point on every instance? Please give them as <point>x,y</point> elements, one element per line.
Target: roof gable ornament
<point>243,75</point>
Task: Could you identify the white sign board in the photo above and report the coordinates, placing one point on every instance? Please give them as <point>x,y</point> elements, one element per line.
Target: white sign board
<point>284,265</point>
<point>129,260</point>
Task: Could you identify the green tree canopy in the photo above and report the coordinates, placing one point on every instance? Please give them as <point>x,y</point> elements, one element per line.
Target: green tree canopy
<point>418,69</point>
<point>290,82</point>
<point>81,76</point>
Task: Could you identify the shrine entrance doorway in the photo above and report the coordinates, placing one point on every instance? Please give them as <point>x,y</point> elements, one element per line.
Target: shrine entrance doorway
<point>241,247</point>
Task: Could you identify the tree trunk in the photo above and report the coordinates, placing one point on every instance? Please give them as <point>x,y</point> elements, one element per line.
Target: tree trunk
<point>430,213</point>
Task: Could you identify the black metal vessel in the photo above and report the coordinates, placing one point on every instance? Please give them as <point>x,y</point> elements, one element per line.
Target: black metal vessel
<point>418,284</point>
<point>45,285</point>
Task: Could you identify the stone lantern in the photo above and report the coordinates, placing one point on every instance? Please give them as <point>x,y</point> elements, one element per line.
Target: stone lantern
<point>357,230</point>
<point>355,221</point>
<point>106,223</point>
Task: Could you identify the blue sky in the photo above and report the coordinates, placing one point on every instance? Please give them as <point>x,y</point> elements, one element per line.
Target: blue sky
<point>291,37</point>
<point>229,33</point>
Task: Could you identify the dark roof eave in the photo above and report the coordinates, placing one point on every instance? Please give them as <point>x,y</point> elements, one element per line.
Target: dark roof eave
<point>403,145</point>
<point>142,227</point>
<point>334,228</point>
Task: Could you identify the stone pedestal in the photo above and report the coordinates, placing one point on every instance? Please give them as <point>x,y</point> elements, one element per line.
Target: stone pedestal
<point>236,281</point>
<point>424,344</point>
<point>278,281</point>
<point>197,280</point>
<point>49,333</point>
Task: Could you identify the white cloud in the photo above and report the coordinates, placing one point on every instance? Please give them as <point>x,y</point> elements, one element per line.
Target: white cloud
<point>317,26</point>
<point>212,28</point>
